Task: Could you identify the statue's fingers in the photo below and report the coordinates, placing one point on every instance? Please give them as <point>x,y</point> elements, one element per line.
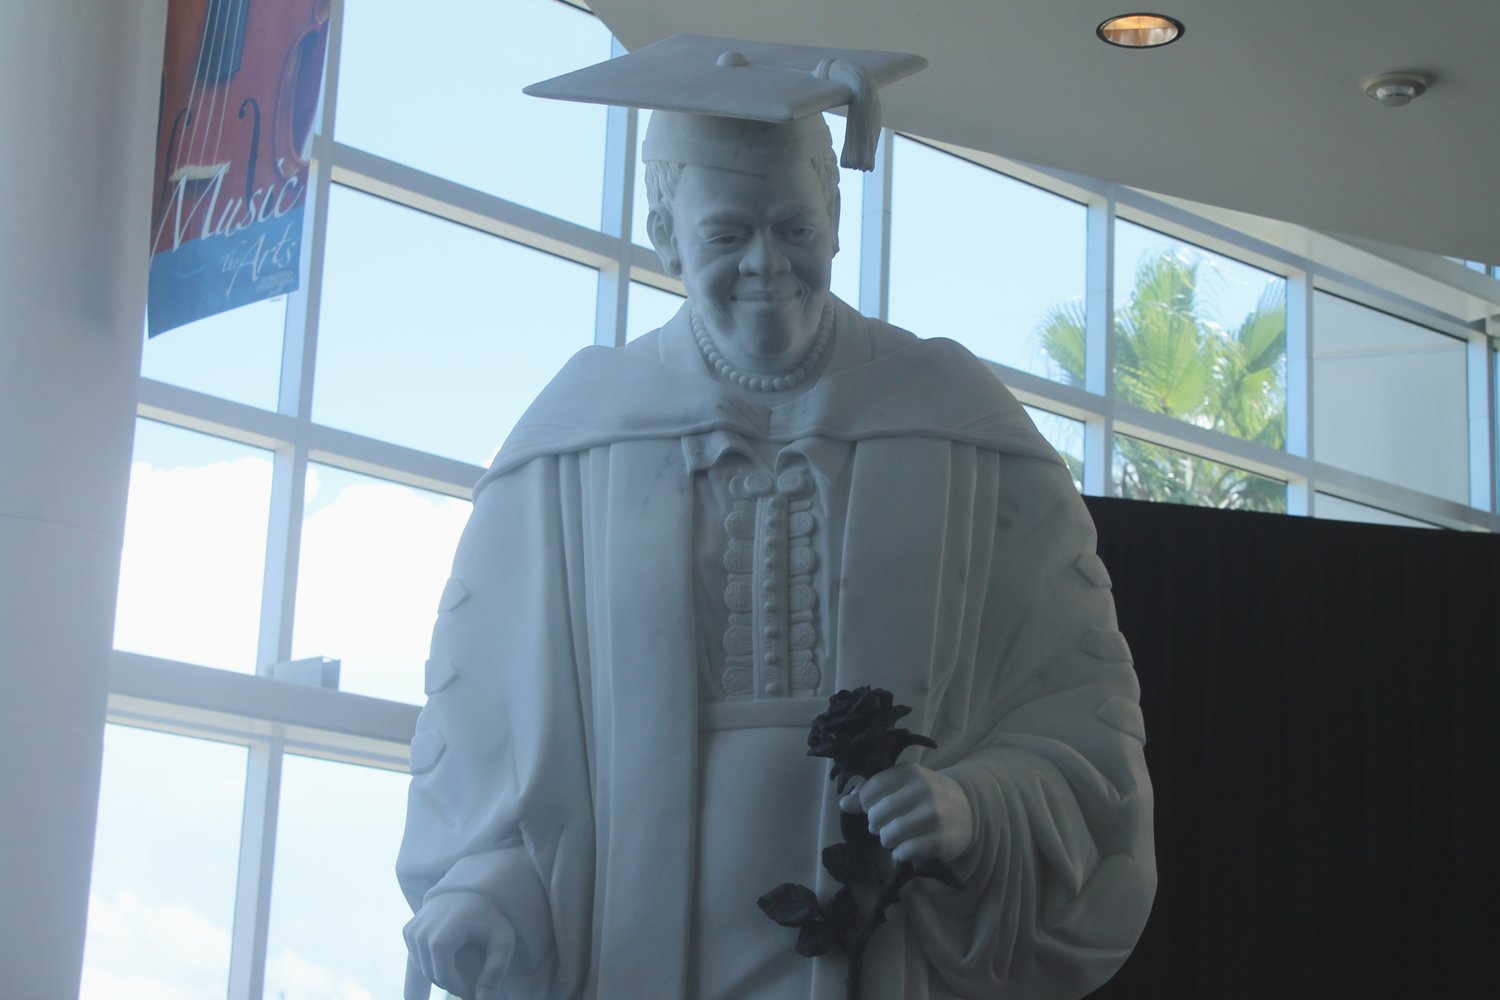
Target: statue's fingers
<point>885,811</point>
<point>902,798</point>
<point>418,986</point>
<point>497,957</point>
<point>895,832</point>
<point>917,848</point>
<point>445,971</point>
<point>418,957</point>
<point>878,787</point>
<point>849,801</point>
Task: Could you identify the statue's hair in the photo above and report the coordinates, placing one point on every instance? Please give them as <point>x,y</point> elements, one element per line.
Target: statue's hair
<point>662,177</point>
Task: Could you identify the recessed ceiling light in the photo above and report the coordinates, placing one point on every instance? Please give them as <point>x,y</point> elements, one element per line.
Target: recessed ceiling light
<point>1140,31</point>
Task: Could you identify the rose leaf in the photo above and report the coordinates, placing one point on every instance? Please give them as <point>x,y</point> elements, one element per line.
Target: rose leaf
<point>791,905</point>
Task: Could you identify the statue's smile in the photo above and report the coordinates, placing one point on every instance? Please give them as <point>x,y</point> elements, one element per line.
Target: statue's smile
<point>767,296</point>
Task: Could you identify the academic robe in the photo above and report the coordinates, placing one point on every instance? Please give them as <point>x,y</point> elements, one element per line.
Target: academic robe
<point>554,765</point>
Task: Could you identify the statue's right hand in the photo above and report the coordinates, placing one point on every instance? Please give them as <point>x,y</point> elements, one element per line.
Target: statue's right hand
<point>462,943</point>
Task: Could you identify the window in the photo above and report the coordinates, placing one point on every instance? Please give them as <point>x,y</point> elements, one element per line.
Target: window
<point>432,334</point>
<point>984,259</point>
<point>375,556</point>
<point>1199,337</point>
<point>1338,509</point>
<point>235,354</point>
<point>165,851</point>
<point>1390,398</point>
<point>1064,434</point>
<point>336,914</point>
<point>650,308</point>
<point>1146,471</point>
<point>440,89</point>
<point>195,548</point>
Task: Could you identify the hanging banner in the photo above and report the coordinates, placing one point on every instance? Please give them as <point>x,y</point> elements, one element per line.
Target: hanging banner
<point>241,81</point>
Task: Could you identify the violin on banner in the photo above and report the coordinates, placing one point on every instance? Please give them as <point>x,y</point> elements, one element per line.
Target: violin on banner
<point>241,83</point>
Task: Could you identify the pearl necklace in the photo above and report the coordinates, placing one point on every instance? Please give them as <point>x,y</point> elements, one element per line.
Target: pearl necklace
<point>764,383</point>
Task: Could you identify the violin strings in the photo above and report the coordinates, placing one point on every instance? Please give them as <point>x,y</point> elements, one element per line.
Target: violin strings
<point>213,37</point>
<point>201,69</point>
<point>239,23</point>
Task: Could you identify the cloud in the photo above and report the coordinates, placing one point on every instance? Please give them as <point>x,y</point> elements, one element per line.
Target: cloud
<point>143,950</point>
<point>289,976</point>
<point>373,560</point>
<point>140,950</point>
<point>194,555</point>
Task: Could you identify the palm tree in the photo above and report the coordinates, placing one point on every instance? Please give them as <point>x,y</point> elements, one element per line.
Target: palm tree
<point>1171,358</point>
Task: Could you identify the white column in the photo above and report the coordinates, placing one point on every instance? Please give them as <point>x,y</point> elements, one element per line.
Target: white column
<point>81,79</point>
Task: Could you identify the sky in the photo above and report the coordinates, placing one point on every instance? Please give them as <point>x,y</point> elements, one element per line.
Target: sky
<point>164,870</point>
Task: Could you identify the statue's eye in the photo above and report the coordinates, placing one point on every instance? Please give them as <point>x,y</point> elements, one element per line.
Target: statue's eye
<point>800,234</point>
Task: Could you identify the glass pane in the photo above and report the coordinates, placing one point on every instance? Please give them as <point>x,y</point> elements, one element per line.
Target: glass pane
<point>375,556</point>
<point>195,548</point>
<point>1390,398</point>
<point>1146,471</point>
<point>1066,435</point>
<point>650,308</point>
<point>441,347</point>
<point>165,853</point>
<point>1199,337</point>
<point>336,912</point>
<point>235,354</point>
<point>438,86</point>
<point>1338,509</point>
<point>845,278</point>
<point>993,263</point>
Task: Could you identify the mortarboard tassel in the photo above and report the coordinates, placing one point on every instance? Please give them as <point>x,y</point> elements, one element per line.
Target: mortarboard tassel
<point>862,131</point>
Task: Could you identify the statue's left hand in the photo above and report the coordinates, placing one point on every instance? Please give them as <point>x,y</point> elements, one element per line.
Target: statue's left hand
<point>917,812</point>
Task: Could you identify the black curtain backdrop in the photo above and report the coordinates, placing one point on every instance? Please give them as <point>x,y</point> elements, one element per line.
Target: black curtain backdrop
<point>1322,708</point>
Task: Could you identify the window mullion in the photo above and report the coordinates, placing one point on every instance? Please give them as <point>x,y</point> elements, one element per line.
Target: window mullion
<point>298,365</point>
<point>252,897</point>
<point>1481,410</point>
<point>875,232</point>
<point>616,211</point>
<point>1099,310</point>
<point>1301,492</point>
<point>283,549</point>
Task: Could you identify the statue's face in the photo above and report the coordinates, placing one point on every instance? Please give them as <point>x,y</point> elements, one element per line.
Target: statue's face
<point>755,254</point>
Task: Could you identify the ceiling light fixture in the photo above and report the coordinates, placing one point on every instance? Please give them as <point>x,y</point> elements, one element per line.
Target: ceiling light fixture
<point>1396,90</point>
<point>1140,31</point>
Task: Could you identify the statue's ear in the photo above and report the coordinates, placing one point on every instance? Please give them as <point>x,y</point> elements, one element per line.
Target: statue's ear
<point>659,228</point>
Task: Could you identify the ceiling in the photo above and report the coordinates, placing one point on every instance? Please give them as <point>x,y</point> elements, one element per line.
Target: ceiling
<point>1259,107</point>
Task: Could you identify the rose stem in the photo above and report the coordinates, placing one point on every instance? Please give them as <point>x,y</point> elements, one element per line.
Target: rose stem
<point>853,982</point>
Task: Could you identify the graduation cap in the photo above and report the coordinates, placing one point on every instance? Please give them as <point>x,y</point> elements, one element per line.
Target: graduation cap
<point>742,105</point>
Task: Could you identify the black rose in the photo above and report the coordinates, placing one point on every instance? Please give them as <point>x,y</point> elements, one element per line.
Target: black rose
<point>858,734</point>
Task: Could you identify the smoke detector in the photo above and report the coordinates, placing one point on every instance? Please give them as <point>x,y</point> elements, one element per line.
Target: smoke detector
<point>1396,90</point>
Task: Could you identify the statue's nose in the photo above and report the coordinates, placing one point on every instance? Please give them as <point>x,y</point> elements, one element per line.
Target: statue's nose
<point>763,256</point>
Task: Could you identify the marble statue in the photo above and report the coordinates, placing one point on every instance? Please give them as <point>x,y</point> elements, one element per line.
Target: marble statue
<point>689,542</point>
